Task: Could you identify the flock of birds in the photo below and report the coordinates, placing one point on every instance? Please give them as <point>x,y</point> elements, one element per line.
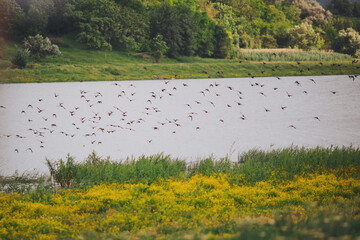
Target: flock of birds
<point>90,114</point>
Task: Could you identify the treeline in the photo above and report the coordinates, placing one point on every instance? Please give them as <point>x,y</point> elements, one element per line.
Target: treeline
<point>205,28</point>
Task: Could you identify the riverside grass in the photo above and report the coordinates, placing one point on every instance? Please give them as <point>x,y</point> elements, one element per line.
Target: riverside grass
<point>282,194</point>
<point>80,64</point>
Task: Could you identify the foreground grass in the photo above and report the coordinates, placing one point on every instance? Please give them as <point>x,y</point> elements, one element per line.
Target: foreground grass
<point>283,194</point>
<point>79,64</point>
<point>205,205</point>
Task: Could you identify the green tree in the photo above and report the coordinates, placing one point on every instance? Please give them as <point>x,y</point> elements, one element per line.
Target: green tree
<point>303,36</point>
<point>340,7</point>
<point>165,21</point>
<point>158,47</point>
<point>268,41</point>
<point>97,33</point>
<point>222,42</point>
<point>188,30</point>
<point>205,35</point>
<point>356,9</point>
<point>348,41</point>
<point>58,22</point>
<point>11,18</point>
<point>312,12</point>
<point>103,24</point>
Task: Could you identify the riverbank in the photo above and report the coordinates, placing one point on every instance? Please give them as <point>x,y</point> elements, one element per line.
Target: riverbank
<point>287,194</point>
<point>78,64</point>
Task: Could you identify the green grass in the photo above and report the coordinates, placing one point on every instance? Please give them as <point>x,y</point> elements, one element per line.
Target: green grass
<point>79,64</point>
<point>336,219</point>
<point>252,167</point>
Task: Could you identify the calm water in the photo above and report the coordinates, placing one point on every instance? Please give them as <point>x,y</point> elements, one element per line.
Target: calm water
<point>184,118</point>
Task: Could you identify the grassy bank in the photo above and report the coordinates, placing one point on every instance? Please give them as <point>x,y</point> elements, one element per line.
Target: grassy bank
<point>79,64</point>
<point>289,193</point>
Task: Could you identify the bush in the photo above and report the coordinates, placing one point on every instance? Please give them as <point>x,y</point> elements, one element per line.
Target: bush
<point>40,47</point>
<point>303,36</point>
<point>269,41</point>
<point>348,42</point>
<point>158,47</point>
<point>21,58</point>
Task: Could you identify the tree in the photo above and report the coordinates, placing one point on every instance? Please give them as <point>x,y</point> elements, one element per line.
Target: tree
<point>303,36</point>
<point>268,41</point>
<point>340,7</point>
<point>222,42</point>
<point>97,33</point>
<point>37,16</point>
<point>58,22</point>
<point>165,21</point>
<point>11,18</point>
<point>104,24</point>
<point>188,30</point>
<point>312,12</point>
<point>158,47</point>
<point>348,41</point>
<point>205,35</point>
<point>356,9</point>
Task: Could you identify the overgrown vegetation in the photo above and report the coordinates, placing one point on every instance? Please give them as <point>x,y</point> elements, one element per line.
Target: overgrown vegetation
<point>78,64</point>
<point>289,193</point>
<point>252,167</point>
<point>215,29</point>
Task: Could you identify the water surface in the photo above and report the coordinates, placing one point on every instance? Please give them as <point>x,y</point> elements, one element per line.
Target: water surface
<point>189,119</point>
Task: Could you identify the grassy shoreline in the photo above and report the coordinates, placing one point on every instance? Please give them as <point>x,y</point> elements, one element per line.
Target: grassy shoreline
<point>292,193</point>
<point>79,64</point>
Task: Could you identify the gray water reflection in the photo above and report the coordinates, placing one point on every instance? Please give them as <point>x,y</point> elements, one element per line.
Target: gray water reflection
<point>184,118</point>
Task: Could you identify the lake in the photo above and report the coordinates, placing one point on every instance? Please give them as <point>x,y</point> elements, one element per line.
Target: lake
<point>189,119</point>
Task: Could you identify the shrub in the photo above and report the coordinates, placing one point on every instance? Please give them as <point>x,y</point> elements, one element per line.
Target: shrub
<point>21,58</point>
<point>269,41</point>
<point>40,47</point>
<point>303,36</point>
<point>348,41</point>
<point>158,47</point>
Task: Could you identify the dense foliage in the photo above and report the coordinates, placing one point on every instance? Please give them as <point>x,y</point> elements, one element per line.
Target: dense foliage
<point>216,28</point>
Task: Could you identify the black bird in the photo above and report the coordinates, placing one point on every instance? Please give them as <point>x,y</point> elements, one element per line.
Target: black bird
<point>313,80</point>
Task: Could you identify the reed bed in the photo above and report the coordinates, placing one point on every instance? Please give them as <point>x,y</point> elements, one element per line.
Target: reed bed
<point>251,167</point>
<point>291,55</point>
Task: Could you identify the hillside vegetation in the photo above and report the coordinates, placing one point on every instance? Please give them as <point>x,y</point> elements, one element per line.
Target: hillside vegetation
<point>204,28</point>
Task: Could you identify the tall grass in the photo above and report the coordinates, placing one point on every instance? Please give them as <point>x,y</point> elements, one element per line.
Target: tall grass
<point>251,167</point>
<point>278,56</point>
<point>96,170</point>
